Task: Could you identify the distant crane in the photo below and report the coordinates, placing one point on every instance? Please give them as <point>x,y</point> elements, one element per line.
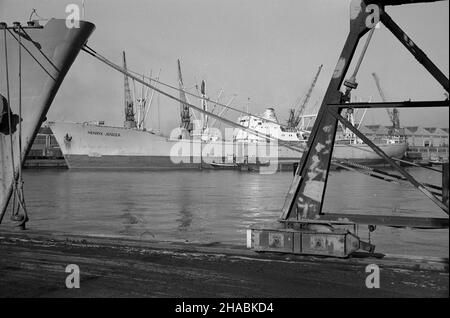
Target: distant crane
<point>204,105</point>
<point>393,114</point>
<point>296,115</point>
<point>184,109</point>
<point>130,121</point>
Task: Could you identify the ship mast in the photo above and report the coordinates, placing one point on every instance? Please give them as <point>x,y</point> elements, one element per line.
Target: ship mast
<point>130,121</point>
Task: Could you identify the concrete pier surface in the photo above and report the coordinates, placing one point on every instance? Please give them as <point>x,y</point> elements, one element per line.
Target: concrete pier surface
<point>33,264</point>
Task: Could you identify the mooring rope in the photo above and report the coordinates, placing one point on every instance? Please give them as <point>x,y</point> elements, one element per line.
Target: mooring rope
<point>39,49</point>
<point>368,173</point>
<point>231,123</point>
<point>34,58</point>
<point>375,173</point>
<point>416,165</point>
<point>19,187</point>
<point>396,159</point>
<point>361,166</point>
<point>8,97</point>
<point>132,74</point>
<point>18,198</point>
<point>186,92</point>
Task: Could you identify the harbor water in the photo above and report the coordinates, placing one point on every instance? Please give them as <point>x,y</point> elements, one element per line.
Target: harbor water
<point>217,206</point>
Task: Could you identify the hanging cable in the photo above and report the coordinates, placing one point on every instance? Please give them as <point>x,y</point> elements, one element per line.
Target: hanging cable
<point>93,52</point>
<point>34,58</point>
<point>39,49</point>
<point>382,175</point>
<point>17,191</point>
<point>18,199</point>
<point>19,183</point>
<point>8,97</point>
<point>417,165</point>
<point>230,122</point>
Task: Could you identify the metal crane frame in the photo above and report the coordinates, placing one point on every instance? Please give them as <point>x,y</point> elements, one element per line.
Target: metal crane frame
<point>305,197</point>
<point>304,200</point>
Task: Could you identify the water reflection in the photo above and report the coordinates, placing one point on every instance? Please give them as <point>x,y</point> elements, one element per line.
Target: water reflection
<point>217,206</point>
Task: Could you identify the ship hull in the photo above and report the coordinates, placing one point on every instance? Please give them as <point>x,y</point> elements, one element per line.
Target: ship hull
<point>87,146</point>
<point>46,56</point>
<point>363,154</point>
<point>126,162</point>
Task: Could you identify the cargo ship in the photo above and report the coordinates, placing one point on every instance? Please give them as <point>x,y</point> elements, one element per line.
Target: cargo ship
<point>93,145</point>
<point>34,60</point>
<point>96,146</point>
<point>194,144</point>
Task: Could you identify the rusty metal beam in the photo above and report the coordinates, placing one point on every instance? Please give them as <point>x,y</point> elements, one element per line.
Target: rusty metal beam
<point>420,56</point>
<point>389,220</point>
<point>405,104</point>
<point>445,178</point>
<point>304,199</point>
<point>392,162</point>
<point>305,196</point>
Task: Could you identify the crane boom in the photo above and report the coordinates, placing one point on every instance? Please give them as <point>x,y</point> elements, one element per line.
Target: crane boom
<point>308,95</point>
<point>393,114</point>
<point>295,116</point>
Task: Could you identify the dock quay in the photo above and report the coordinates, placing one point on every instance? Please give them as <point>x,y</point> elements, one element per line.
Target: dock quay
<point>33,263</point>
<point>427,154</point>
<point>45,152</point>
<point>41,163</point>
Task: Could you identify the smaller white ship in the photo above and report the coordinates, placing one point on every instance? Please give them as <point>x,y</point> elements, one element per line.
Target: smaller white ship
<point>271,128</point>
<point>347,145</point>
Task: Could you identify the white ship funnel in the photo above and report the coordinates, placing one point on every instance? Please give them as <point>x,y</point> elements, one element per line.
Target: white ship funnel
<point>269,114</point>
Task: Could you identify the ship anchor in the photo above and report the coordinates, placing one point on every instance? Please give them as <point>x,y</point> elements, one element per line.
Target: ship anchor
<point>6,116</point>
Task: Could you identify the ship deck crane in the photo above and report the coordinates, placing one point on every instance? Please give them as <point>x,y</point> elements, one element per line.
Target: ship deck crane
<point>295,115</point>
<point>130,121</point>
<point>184,110</point>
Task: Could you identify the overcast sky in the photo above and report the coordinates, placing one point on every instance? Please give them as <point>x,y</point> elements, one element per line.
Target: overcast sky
<point>264,50</point>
